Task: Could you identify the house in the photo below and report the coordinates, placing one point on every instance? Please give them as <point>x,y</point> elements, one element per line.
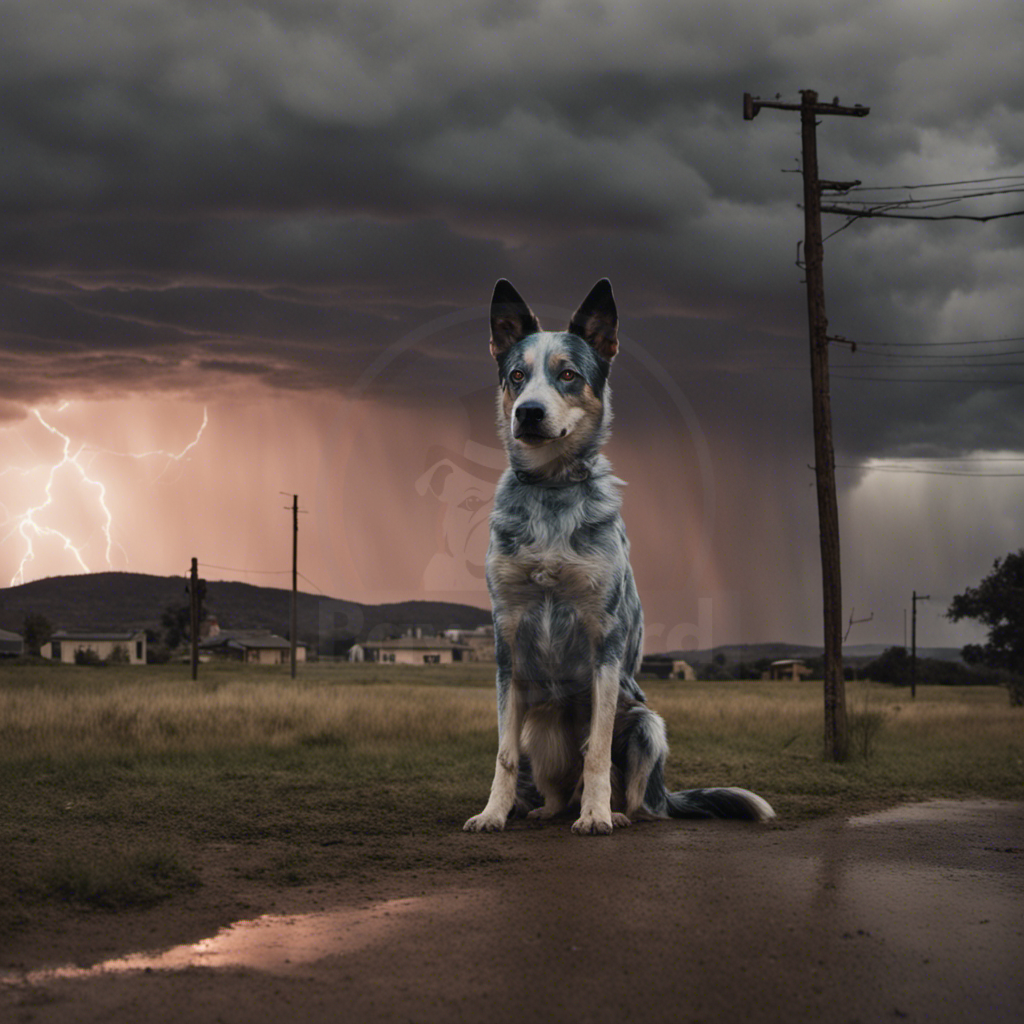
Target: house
<point>664,667</point>
<point>787,668</point>
<point>63,646</point>
<point>253,647</point>
<point>416,650</point>
<point>480,641</point>
<point>11,645</point>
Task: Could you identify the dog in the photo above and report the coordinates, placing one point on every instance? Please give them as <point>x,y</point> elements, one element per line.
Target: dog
<point>574,728</point>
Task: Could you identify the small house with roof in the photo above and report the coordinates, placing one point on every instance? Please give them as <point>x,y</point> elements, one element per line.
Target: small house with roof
<point>788,668</point>
<point>64,645</point>
<point>480,642</point>
<point>253,647</point>
<point>415,650</point>
<point>11,644</point>
<point>666,667</point>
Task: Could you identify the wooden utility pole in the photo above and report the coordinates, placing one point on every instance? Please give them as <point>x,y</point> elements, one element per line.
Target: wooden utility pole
<point>913,641</point>
<point>193,593</point>
<point>295,577</point>
<point>824,459</point>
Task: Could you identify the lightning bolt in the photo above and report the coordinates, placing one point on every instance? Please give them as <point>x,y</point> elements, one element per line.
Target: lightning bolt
<point>27,524</point>
<point>170,456</point>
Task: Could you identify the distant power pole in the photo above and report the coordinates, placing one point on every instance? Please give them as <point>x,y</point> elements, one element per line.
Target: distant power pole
<point>293,630</point>
<point>824,459</point>
<point>193,593</point>
<point>295,576</point>
<point>913,641</point>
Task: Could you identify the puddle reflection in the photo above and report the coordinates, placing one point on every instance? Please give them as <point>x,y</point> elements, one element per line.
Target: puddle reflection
<point>274,943</point>
<point>943,812</point>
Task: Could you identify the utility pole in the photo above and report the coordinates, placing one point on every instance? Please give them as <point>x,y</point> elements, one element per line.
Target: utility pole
<point>824,459</point>
<point>913,641</point>
<point>193,593</point>
<point>295,578</point>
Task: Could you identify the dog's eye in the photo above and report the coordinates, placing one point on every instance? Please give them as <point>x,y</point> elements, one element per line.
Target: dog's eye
<point>567,375</point>
<point>517,376</point>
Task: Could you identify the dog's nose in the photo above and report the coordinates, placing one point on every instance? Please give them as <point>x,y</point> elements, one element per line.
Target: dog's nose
<point>529,414</point>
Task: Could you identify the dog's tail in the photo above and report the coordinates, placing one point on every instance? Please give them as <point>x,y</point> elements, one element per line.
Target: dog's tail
<point>721,802</point>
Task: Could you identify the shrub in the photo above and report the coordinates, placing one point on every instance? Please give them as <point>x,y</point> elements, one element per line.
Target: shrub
<point>119,656</point>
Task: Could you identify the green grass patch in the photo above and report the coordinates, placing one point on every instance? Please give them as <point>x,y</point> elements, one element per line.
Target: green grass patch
<point>116,880</point>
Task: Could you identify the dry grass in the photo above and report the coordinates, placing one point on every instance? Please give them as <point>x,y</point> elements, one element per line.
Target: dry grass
<point>780,710</point>
<point>61,712</point>
<point>110,711</point>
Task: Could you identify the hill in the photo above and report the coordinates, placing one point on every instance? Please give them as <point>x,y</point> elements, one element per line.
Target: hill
<point>125,600</point>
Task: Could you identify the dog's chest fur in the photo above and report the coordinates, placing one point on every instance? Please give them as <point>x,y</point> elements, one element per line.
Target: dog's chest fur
<point>551,570</point>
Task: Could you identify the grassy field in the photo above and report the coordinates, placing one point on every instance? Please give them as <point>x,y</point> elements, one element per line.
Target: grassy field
<point>118,784</point>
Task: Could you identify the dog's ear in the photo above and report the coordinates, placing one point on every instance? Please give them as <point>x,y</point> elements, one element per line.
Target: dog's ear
<point>597,321</point>
<point>511,319</point>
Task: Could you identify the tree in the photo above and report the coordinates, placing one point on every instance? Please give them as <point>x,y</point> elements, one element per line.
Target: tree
<point>892,666</point>
<point>37,631</point>
<point>177,625</point>
<point>998,603</point>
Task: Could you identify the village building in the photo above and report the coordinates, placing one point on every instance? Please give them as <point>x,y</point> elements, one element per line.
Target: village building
<point>787,668</point>
<point>480,641</point>
<point>63,646</point>
<point>11,645</point>
<point>411,650</point>
<point>253,647</point>
<point>664,667</point>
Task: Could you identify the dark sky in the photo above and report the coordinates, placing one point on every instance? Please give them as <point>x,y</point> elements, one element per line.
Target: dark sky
<point>301,205</point>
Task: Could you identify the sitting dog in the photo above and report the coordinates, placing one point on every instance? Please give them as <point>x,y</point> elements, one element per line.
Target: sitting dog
<point>574,728</point>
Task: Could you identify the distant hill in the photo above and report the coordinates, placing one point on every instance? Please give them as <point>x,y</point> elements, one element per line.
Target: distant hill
<point>125,600</point>
<point>855,653</point>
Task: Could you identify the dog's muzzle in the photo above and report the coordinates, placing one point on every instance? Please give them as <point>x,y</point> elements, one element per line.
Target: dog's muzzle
<point>528,425</point>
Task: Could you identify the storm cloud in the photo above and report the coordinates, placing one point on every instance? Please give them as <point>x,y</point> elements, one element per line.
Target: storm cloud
<point>200,197</point>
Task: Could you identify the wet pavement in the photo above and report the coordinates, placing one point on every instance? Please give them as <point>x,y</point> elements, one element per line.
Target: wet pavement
<point>915,913</point>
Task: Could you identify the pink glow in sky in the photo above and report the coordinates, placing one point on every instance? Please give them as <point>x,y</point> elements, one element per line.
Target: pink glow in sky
<point>397,499</point>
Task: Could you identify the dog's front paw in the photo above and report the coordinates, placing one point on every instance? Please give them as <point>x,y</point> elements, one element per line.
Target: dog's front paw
<point>591,824</point>
<point>485,822</point>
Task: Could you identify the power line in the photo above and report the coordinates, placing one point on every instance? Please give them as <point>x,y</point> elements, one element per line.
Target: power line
<point>951,355</point>
<point>263,572</point>
<point>930,380</point>
<point>965,458</point>
<point>925,472</point>
<point>931,366</point>
<point>312,584</point>
<point>942,344</point>
<point>926,344</point>
<point>855,209</point>
<point>855,214</point>
<point>258,572</point>
<point>932,201</point>
<point>934,184</point>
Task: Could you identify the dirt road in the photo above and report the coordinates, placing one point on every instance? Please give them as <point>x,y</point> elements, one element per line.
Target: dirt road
<point>912,914</point>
